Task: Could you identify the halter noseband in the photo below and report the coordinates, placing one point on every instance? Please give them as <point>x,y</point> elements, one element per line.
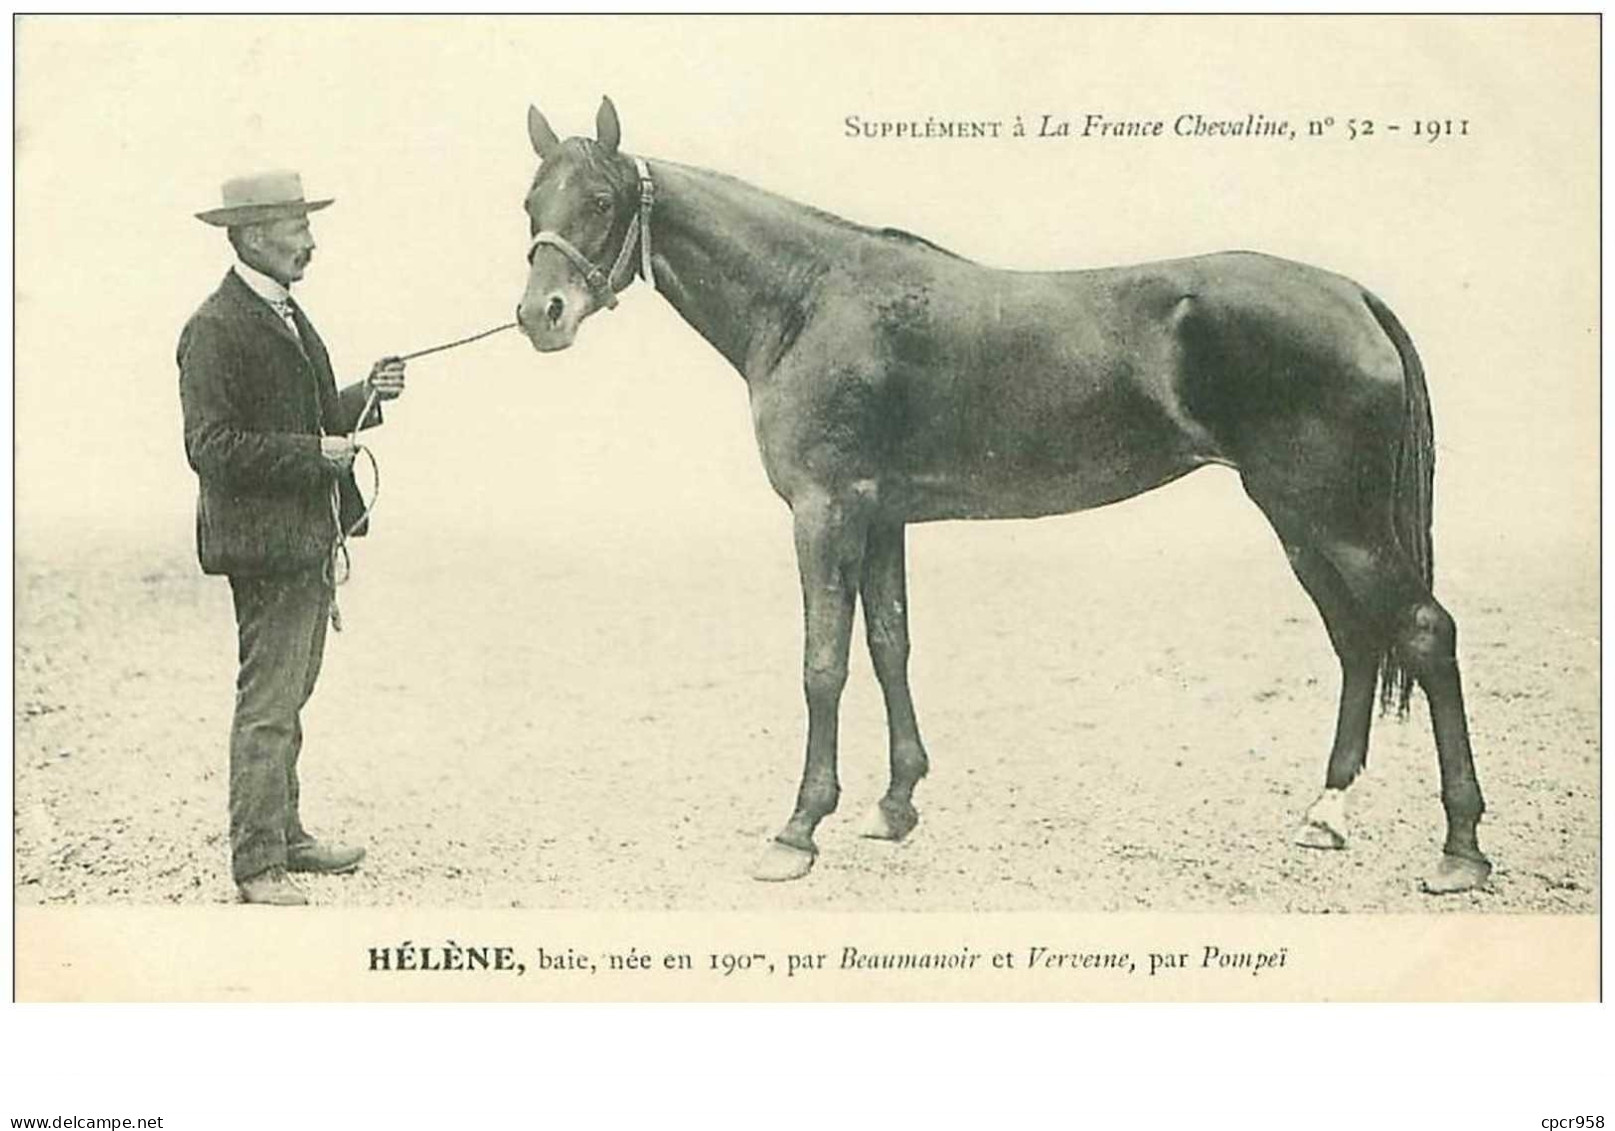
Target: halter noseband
<point>604,285</point>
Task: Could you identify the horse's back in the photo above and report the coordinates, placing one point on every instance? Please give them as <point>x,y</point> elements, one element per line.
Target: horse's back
<point>1219,341</point>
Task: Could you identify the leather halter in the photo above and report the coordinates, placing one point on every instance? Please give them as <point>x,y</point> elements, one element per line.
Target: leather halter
<point>605,285</point>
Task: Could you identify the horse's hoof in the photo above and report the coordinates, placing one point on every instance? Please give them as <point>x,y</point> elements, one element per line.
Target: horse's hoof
<point>1455,874</point>
<point>889,822</point>
<point>780,862</point>
<point>1315,834</point>
<point>1324,826</point>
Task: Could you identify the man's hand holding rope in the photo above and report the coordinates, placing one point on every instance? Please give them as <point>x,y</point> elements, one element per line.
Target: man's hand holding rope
<point>386,380</point>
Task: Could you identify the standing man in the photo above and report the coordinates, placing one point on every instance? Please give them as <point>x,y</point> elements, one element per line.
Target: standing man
<point>267,433</point>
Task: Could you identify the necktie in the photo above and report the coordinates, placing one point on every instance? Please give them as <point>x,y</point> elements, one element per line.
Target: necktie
<point>283,307</point>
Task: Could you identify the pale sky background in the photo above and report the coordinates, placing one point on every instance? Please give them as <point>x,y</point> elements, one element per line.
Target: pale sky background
<point>1486,246</point>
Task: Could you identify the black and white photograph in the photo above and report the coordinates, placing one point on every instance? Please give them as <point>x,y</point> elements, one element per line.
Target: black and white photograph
<point>966,508</point>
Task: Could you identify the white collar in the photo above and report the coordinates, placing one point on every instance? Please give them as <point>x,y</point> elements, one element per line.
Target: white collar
<point>270,290</point>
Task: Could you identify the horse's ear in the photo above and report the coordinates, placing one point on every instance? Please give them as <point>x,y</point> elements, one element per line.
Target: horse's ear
<point>607,130</point>
<point>545,143</point>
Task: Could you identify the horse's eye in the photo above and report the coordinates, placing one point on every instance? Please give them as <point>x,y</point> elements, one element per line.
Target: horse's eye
<point>602,203</point>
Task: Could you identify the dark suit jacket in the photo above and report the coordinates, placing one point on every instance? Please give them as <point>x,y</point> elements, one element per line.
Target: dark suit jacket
<point>255,402</point>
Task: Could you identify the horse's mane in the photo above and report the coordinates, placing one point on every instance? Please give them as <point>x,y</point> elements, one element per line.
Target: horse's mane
<point>885,233</point>
<point>897,235</point>
<point>910,237</point>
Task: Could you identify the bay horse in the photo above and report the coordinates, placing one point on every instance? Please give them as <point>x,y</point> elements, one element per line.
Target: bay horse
<point>892,382</point>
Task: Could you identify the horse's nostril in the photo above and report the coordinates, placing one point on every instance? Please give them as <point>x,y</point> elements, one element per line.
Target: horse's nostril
<point>554,310</point>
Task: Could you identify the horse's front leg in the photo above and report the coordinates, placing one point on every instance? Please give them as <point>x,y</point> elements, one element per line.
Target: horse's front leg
<point>885,598</point>
<point>830,538</point>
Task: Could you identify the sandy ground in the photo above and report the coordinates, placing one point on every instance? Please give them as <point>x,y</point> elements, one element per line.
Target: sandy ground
<point>1115,723</point>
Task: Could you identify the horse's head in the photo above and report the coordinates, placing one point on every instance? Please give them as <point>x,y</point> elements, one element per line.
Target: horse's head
<point>580,213</point>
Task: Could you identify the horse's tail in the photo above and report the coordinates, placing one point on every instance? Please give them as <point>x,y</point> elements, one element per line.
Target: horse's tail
<point>1413,477</point>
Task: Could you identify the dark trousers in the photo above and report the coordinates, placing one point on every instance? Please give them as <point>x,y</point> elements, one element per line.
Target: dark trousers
<point>280,625</point>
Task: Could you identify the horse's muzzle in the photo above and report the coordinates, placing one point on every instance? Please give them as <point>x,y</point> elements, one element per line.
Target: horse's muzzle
<point>550,325</point>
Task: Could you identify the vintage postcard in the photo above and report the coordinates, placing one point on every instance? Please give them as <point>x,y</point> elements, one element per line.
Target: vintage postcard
<point>807,508</point>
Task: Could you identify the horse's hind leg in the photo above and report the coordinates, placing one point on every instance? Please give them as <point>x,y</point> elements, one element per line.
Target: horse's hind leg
<point>1398,608</point>
<point>1425,638</point>
<point>885,597</point>
<point>1358,645</point>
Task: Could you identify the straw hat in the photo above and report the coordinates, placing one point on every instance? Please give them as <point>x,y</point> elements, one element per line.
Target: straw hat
<point>261,197</point>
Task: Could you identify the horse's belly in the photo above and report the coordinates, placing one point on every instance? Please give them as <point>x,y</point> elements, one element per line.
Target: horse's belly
<point>990,493</point>
<point>1036,447</point>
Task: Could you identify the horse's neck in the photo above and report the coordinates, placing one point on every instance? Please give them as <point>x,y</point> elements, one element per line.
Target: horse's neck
<point>739,265</point>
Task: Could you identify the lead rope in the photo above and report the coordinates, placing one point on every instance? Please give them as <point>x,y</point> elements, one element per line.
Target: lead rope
<point>339,564</point>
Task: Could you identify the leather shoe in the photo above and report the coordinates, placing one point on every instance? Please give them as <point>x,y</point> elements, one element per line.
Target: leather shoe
<point>317,856</point>
<point>272,887</point>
